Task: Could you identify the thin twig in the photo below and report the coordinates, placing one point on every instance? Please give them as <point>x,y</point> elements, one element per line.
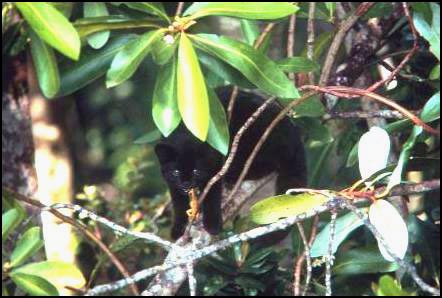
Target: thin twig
<point>263,35</point>
<point>349,92</point>
<point>179,9</point>
<point>311,37</point>
<point>330,256</point>
<point>291,42</point>
<point>386,114</point>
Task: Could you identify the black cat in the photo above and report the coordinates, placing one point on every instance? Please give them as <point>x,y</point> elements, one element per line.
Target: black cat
<point>187,162</point>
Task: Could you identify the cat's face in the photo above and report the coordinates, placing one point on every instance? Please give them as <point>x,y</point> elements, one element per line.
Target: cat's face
<point>183,169</point>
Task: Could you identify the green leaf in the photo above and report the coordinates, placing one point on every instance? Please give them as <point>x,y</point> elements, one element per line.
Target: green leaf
<point>51,26</point>
<point>27,246</point>
<point>254,65</point>
<point>96,9</point>
<point>435,73</point>
<point>10,219</point>
<point>164,49</point>
<point>91,66</point>
<point>126,62</point>
<point>431,34</point>
<point>310,108</point>
<point>64,7</point>
<point>431,109</point>
<point>297,64</point>
<point>223,71</point>
<point>218,136</point>
<point>430,112</point>
<point>153,8</point>
<point>246,10</point>
<point>250,31</point>
<point>193,101</point>
<point>362,261</point>
<point>34,285</point>
<point>45,66</point>
<point>92,25</point>
<point>60,274</point>
<point>388,286</point>
<point>149,138</point>
<point>274,208</point>
<point>331,7</point>
<point>164,101</point>
<point>344,226</point>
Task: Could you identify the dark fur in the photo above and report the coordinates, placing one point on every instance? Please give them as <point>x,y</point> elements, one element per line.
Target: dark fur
<point>283,152</point>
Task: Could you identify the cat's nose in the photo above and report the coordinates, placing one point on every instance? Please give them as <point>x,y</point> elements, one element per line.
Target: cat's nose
<point>187,185</point>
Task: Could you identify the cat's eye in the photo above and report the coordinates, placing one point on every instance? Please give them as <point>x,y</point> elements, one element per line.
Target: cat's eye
<point>196,172</point>
<point>176,173</point>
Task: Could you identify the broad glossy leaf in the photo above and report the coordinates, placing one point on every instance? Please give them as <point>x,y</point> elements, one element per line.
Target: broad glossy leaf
<point>126,62</point>
<point>224,71</point>
<point>193,101</point>
<point>10,219</point>
<point>58,273</point>
<point>274,208</point>
<point>218,136</point>
<point>164,101</point>
<point>312,107</point>
<point>91,66</point>
<point>344,226</point>
<point>96,9</point>
<point>255,66</point>
<point>34,284</point>
<point>91,25</point>
<point>64,7</point>
<point>388,286</point>
<point>362,261</point>
<point>373,151</point>
<point>391,227</point>
<point>250,31</point>
<point>430,112</point>
<point>164,49</point>
<point>51,26</point>
<point>297,64</point>
<point>431,34</point>
<point>246,10</point>
<point>149,138</point>
<point>27,246</point>
<point>45,66</point>
<point>154,8</point>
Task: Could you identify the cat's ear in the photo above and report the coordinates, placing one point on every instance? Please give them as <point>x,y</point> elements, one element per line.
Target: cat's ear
<point>165,153</point>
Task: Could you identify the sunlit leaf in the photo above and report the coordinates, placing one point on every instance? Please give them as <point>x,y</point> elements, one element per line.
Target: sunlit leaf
<point>193,101</point>
<point>247,10</point>
<point>373,151</point>
<point>255,66</point>
<point>297,64</point>
<point>250,31</point>
<point>126,62</point>
<point>164,49</point>
<point>96,9</point>
<point>34,284</point>
<point>164,100</point>
<point>27,246</point>
<point>154,8</point>
<point>388,286</point>
<point>51,26</point>
<point>10,219</point>
<point>218,136</point>
<point>59,274</point>
<point>274,208</point>
<point>91,66</point>
<point>391,227</point>
<point>45,66</point>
